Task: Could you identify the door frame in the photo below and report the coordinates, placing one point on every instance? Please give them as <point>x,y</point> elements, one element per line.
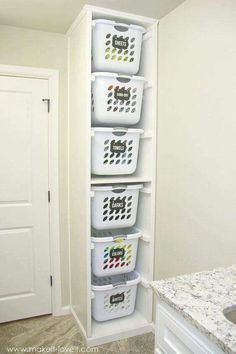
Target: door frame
<point>54,235</point>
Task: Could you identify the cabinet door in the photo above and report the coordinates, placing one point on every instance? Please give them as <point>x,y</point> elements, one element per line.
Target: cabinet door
<point>174,338</point>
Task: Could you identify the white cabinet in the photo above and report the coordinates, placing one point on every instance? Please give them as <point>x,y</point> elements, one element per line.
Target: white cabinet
<point>174,335</point>
<point>81,181</point>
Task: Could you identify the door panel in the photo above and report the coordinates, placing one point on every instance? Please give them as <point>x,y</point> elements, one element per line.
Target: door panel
<point>24,215</point>
<point>15,136</point>
<point>20,278</point>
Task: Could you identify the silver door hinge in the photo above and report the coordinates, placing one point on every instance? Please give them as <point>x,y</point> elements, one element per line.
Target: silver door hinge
<point>49,196</point>
<point>51,280</point>
<point>48,103</point>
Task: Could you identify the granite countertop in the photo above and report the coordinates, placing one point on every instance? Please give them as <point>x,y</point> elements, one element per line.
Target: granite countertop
<point>200,298</point>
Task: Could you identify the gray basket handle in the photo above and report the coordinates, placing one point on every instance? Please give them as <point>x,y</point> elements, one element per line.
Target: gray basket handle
<point>119,131</point>
<point>119,188</point>
<point>121,28</point>
<point>123,78</point>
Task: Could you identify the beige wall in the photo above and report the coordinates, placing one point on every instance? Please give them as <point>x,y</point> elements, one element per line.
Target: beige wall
<point>196,222</point>
<point>196,197</point>
<point>48,50</point>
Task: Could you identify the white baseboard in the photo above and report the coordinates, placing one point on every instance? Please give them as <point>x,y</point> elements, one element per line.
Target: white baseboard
<point>72,311</point>
<point>153,328</point>
<point>65,310</point>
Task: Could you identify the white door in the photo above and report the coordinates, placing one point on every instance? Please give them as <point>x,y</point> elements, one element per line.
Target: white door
<point>25,289</point>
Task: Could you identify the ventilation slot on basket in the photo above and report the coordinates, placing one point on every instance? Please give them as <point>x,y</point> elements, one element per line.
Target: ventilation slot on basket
<point>118,152</point>
<point>92,102</point>
<point>117,256</point>
<point>116,47</point>
<point>116,99</point>
<point>121,99</point>
<point>119,48</point>
<point>117,208</point>
<point>114,206</point>
<point>114,296</point>
<point>114,251</point>
<point>117,302</point>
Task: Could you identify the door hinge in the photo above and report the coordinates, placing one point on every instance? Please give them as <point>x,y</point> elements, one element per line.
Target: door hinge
<point>49,196</point>
<point>48,103</point>
<point>51,280</point>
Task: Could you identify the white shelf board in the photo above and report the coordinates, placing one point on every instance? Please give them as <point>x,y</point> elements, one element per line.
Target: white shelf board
<point>119,328</point>
<point>118,179</point>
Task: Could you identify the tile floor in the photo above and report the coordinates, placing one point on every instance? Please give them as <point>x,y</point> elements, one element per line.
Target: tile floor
<point>60,333</point>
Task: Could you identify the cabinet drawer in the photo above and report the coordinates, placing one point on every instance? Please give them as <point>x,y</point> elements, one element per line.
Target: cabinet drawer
<point>174,338</point>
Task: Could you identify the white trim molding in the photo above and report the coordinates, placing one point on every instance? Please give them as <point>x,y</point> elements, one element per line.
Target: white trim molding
<point>65,310</point>
<point>53,88</point>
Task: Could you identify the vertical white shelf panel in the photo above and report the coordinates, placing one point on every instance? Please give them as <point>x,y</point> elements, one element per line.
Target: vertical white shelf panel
<point>79,58</point>
<point>79,169</point>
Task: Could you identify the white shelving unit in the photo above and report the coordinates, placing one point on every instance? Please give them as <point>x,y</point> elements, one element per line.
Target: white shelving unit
<point>79,57</point>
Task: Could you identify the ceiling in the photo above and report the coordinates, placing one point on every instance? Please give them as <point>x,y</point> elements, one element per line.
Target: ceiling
<point>57,15</point>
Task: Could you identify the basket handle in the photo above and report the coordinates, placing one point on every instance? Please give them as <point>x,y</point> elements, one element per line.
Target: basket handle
<point>120,27</point>
<point>119,131</point>
<point>119,283</point>
<point>119,188</point>
<point>119,236</point>
<point>123,78</point>
<point>123,129</point>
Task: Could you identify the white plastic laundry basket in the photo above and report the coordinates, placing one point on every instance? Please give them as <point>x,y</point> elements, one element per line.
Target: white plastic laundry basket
<point>114,296</point>
<point>116,98</point>
<point>114,150</point>
<point>116,46</point>
<point>114,251</point>
<point>114,206</point>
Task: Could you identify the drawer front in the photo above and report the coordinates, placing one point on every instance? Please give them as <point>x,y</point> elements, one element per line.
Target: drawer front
<point>174,338</point>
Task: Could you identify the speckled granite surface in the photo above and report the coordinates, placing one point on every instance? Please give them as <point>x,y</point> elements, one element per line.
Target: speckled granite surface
<point>200,298</point>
